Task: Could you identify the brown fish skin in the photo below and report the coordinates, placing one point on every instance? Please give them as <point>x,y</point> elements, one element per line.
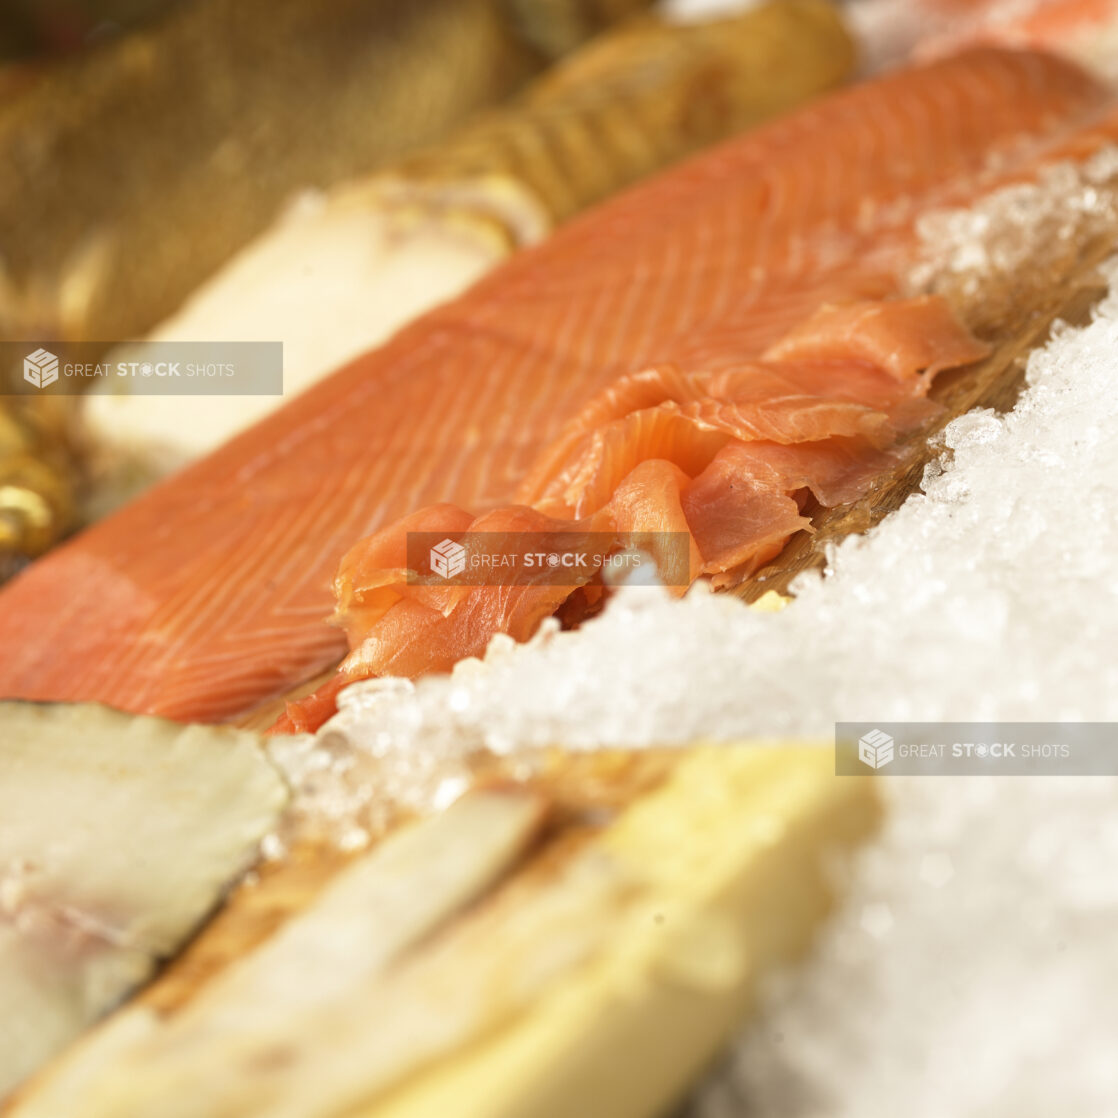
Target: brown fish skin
<point>132,173</point>
<point>15,79</point>
<point>34,28</point>
<point>639,98</point>
<point>557,27</point>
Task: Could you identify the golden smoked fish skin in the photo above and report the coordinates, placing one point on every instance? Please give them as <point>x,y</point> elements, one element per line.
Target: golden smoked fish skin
<point>38,477</point>
<point>207,595</point>
<point>637,99</point>
<point>132,173</point>
<point>558,26</point>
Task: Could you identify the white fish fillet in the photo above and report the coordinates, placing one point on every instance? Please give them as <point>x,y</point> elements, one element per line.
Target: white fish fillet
<point>339,275</point>
<point>118,835</point>
<point>259,1037</point>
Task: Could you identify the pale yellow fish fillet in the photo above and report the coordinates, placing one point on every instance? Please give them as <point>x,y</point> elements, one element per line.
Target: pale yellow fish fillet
<point>595,978</point>
<point>118,835</point>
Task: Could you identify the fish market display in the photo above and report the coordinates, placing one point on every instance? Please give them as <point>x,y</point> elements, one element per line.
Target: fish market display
<point>500,957</point>
<point>206,595</point>
<point>824,413</point>
<point>140,167</point>
<point>341,272</point>
<point>118,835</point>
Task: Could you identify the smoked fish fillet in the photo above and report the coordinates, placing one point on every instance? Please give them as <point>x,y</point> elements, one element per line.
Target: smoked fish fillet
<point>341,272</point>
<point>207,595</point>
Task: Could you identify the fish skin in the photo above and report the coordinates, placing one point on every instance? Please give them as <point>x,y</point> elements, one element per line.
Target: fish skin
<point>643,95</point>
<point>133,171</point>
<point>207,595</point>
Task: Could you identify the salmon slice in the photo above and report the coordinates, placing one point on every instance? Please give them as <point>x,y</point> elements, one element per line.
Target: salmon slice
<point>690,437</point>
<point>782,402</point>
<point>416,627</point>
<point>738,523</point>
<point>902,338</point>
<point>208,595</point>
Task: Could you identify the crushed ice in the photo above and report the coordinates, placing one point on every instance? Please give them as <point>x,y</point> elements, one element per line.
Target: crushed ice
<point>1020,240</point>
<point>973,968</point>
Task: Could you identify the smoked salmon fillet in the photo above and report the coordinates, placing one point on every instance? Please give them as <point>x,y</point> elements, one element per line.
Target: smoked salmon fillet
<point>208,595</point>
